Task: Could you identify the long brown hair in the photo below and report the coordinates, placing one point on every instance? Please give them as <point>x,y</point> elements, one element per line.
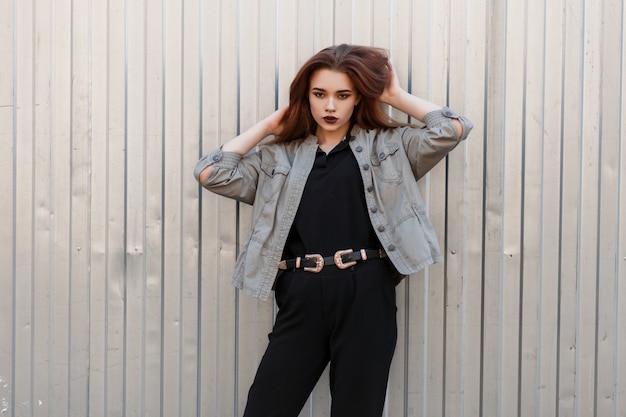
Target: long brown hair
<point>369,70</point>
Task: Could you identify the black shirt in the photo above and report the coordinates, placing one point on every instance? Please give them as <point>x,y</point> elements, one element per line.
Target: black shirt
<point>332,214</point>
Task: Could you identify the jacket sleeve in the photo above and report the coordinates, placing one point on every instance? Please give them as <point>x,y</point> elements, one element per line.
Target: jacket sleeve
<point>426,146</point>
<point>232,175</point>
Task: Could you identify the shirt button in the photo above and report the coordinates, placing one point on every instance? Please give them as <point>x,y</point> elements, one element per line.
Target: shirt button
<point>381,155</point>
<point>370,189</point>
<point>359,148</point>
<point>449,113</point>
<point>381,228</point>
<point>366,166</point>
<point>216,157</point>
<point>374,209</point>
<point>391,248</point>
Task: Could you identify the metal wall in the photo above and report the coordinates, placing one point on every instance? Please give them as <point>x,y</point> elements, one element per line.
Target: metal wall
<point>115,295</point>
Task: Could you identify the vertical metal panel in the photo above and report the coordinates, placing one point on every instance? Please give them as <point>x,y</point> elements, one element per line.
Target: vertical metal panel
<point>569,273</point>
<point>42,212</point>
<point>23,211</point>
<point>587,303</point>
<point>530,239</point>
<point>463,239</point>
<point>116,295</point>
<point>61,219</point>
<point>99,202</point>
<point>549,274</point>
<point>8,137</point>
<point>619,192</point>
<point>511,283</point>
<point>493,210</point>
<point>80,206</point>
<point>135,208</point>
<point>173,49</point>
<point>153,174</point>
<point>608,214</point>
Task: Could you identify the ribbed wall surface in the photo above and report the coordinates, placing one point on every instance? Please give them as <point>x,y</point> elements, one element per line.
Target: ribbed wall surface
<point>115,295</point>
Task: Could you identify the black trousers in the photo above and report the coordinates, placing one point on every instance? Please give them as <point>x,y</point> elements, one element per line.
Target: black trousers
<point>345,317</point>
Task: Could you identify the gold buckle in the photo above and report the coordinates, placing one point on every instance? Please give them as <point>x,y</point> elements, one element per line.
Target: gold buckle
<point>339,261</point>
<point>319,263</point>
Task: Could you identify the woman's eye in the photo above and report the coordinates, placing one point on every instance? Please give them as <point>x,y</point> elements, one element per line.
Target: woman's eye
<point>318,95</point>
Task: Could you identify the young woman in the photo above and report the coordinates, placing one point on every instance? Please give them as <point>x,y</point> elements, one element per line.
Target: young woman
<point>337,221</point>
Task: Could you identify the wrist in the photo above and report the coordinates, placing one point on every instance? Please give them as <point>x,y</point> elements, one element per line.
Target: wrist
<point>270,125</point>
<point>265,127</point>
<point>395,98</point>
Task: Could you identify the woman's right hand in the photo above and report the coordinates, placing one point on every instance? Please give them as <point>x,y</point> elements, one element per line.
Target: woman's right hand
<point>242,144</point>
<point>271,125</point>
<point>275,121</point>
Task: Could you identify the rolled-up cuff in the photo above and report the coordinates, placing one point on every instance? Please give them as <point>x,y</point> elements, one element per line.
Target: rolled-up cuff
<point>443,116</point>
<point>206,160</point>
<point>226,159</point>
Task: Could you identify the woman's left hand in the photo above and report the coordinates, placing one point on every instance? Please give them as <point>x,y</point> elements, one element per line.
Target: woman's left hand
<point>393,89</point>
<point>416,107</point>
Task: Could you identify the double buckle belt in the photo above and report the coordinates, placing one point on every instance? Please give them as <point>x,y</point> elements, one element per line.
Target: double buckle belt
<point>342,259</point>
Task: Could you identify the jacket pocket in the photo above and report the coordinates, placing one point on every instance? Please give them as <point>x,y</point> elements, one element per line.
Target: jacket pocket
<point>386,163</point>
<point>272,181</point>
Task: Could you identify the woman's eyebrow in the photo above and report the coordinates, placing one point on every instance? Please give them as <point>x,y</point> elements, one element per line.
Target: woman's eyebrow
<point>323,90</point>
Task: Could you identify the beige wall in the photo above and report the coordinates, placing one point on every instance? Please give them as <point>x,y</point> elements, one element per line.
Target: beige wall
<point>115,295</point>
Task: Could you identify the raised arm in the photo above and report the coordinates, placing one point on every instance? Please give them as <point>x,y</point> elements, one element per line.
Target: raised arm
<point>416,107</point>
<point>243,143</point>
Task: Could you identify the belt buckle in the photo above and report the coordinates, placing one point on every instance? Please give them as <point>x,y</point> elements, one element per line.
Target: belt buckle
<point>339,261</point>
<point>319,263</point>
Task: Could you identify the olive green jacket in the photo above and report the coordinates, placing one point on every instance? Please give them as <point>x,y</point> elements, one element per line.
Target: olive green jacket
<point>272,179</point>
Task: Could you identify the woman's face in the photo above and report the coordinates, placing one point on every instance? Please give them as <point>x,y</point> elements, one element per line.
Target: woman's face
<point>332,99</point>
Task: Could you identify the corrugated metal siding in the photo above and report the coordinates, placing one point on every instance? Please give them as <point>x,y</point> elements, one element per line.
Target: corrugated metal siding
<point>115,294</point>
